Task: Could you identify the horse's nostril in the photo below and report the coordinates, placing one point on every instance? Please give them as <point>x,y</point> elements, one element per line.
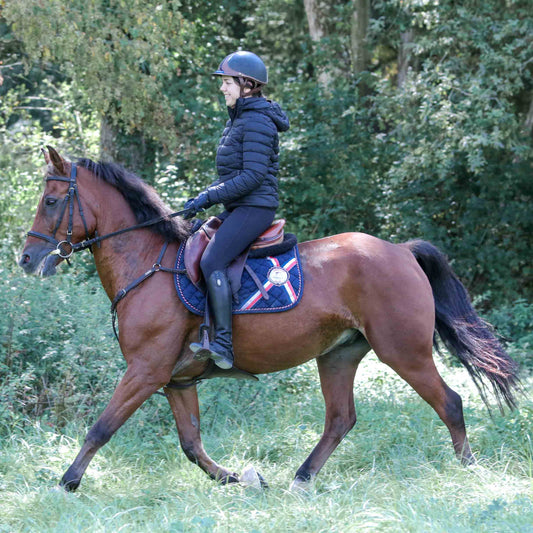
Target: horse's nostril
<point>25,259</point>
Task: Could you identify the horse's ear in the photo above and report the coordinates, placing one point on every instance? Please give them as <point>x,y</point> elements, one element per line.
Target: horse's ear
<point>46,156</point>
<point>56,160</point>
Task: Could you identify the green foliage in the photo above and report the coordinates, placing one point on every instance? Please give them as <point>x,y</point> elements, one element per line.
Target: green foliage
<point>21,160</point>
<point>457,155</point>
<point>446,156</point>
<point>121,54</point>
<point>328,184</point>
<point>59,360</point>
<point>514,323</point>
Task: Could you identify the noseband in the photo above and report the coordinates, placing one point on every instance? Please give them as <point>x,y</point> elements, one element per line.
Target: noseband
<point>71,196</point>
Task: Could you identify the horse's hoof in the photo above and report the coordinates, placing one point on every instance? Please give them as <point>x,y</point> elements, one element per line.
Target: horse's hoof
<point>469,461</point>
<point>251,478</point>
<point>228,478</point>
<point>301,486</point>
<point>69,486</point>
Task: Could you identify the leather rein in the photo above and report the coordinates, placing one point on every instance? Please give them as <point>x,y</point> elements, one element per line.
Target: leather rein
<point>66,247</point>
<point>71,197</point>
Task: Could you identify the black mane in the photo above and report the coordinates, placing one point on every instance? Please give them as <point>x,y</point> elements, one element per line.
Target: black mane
<point>141,197</point>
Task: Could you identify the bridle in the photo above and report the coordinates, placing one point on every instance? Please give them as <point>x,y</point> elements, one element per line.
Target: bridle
<point>71,197</point>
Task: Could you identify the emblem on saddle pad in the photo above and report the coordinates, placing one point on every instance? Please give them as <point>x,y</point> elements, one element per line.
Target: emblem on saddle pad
<point>278,276</point>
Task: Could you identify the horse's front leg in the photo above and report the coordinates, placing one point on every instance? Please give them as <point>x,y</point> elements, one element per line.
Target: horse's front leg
<point>136,386</point>
<point>184,405</point>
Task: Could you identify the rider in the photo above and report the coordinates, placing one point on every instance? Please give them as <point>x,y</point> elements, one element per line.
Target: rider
<point>247,165</point>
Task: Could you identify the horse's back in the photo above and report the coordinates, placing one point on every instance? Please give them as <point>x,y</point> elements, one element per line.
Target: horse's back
<point>352,281</point>
<point>362,254</point>
<point>377,280</point>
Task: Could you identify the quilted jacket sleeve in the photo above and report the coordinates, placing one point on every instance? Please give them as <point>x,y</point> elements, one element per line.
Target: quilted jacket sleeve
<point>259,138</point>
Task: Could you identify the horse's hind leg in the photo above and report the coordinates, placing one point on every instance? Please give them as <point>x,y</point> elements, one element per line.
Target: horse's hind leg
<point>337,372</point>
<point>428,383</point>
<point>412,359</point>
<point>186,411</point>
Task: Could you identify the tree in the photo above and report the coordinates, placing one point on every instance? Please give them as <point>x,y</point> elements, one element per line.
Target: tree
<point>456,153</point>
<point>408,118</point>
<point>121,58</point>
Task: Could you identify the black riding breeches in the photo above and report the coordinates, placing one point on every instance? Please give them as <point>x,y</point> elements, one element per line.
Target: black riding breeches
<point>239,229</point>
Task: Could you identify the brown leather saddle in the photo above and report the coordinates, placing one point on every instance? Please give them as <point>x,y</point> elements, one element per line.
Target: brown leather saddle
<point>198,241</point>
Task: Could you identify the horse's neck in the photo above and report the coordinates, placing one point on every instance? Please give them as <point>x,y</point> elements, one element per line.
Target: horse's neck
<point>121,259</point>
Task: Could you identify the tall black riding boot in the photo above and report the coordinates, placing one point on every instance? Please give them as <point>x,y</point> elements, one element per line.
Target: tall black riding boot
<point>220,298</point>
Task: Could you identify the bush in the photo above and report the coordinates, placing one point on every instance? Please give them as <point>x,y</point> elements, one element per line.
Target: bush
<point>59,359</point>
<point>514,323</point>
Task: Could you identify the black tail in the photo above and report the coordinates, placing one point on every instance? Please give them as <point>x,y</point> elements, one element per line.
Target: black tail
<point>463,332</point>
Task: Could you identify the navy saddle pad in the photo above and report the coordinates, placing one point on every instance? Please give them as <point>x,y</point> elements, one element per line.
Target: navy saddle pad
<point>281,276</point>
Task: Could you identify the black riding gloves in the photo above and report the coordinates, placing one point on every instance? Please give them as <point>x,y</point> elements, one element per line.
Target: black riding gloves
<point>195,205</point>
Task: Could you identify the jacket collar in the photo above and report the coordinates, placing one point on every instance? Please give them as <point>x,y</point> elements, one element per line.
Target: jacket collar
<point>242,104</point>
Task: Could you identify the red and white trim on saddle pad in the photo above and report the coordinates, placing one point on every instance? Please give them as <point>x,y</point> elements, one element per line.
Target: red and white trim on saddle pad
<point>277,276</point>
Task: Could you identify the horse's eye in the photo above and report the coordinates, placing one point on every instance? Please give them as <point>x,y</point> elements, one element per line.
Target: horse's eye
<point>50,201</point>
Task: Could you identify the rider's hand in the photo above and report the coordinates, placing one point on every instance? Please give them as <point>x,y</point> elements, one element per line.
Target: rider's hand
<point>195,205</point>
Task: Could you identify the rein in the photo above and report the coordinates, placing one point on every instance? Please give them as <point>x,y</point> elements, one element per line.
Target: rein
<point>72,195</point>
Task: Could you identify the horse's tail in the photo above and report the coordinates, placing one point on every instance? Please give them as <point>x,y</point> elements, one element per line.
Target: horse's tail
<point>463,332</point>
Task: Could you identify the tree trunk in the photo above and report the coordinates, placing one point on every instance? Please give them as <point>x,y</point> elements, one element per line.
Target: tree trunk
<point>132,151</point>
<point>359,32</point>
<point>316,14</point>
<point>404,55</point>
<point>529,118</point>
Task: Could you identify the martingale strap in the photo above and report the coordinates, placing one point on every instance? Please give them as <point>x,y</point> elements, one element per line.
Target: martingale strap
<point>156,267</point>
<point>66,247</point>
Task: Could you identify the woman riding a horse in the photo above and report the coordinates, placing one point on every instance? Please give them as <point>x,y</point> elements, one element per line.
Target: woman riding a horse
<point>247,165</point>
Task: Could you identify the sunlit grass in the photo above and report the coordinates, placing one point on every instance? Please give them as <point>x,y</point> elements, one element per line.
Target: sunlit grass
<point>395,471</point>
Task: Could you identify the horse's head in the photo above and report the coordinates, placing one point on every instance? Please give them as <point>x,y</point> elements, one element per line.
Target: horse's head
<point>58,223</point>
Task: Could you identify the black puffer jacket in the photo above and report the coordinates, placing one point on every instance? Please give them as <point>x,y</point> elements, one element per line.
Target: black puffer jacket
<point>247,155</point>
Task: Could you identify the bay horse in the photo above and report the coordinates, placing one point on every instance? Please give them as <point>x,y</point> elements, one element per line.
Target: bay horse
<point>361,294</point>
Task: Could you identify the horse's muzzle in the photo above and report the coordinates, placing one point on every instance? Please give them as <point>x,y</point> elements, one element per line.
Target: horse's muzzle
<point>36,259</point>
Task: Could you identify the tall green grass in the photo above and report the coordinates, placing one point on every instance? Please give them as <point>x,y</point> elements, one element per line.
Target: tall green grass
<point>395,471</point>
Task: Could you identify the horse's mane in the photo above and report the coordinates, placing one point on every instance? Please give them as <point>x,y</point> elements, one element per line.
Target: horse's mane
<point>141,197</point>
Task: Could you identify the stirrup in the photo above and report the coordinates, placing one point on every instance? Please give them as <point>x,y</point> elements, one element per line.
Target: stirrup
<point>201,349</point>
<point>201,353</point>
<point>222,361</point>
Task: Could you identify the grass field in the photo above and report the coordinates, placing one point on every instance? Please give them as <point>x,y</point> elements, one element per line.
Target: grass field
<point>394,472</point>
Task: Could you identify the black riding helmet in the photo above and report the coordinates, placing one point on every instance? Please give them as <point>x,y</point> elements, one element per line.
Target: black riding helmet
<point>243,64</point>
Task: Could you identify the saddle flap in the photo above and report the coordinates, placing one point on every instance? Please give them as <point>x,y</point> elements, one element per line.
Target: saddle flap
<point>195,247</point>
<point>198,241</point>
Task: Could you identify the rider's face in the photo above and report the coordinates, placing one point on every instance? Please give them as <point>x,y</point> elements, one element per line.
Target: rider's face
<point>231,90</point>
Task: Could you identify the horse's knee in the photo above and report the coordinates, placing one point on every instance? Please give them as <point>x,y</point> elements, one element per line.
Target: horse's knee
<point>339,425</point>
